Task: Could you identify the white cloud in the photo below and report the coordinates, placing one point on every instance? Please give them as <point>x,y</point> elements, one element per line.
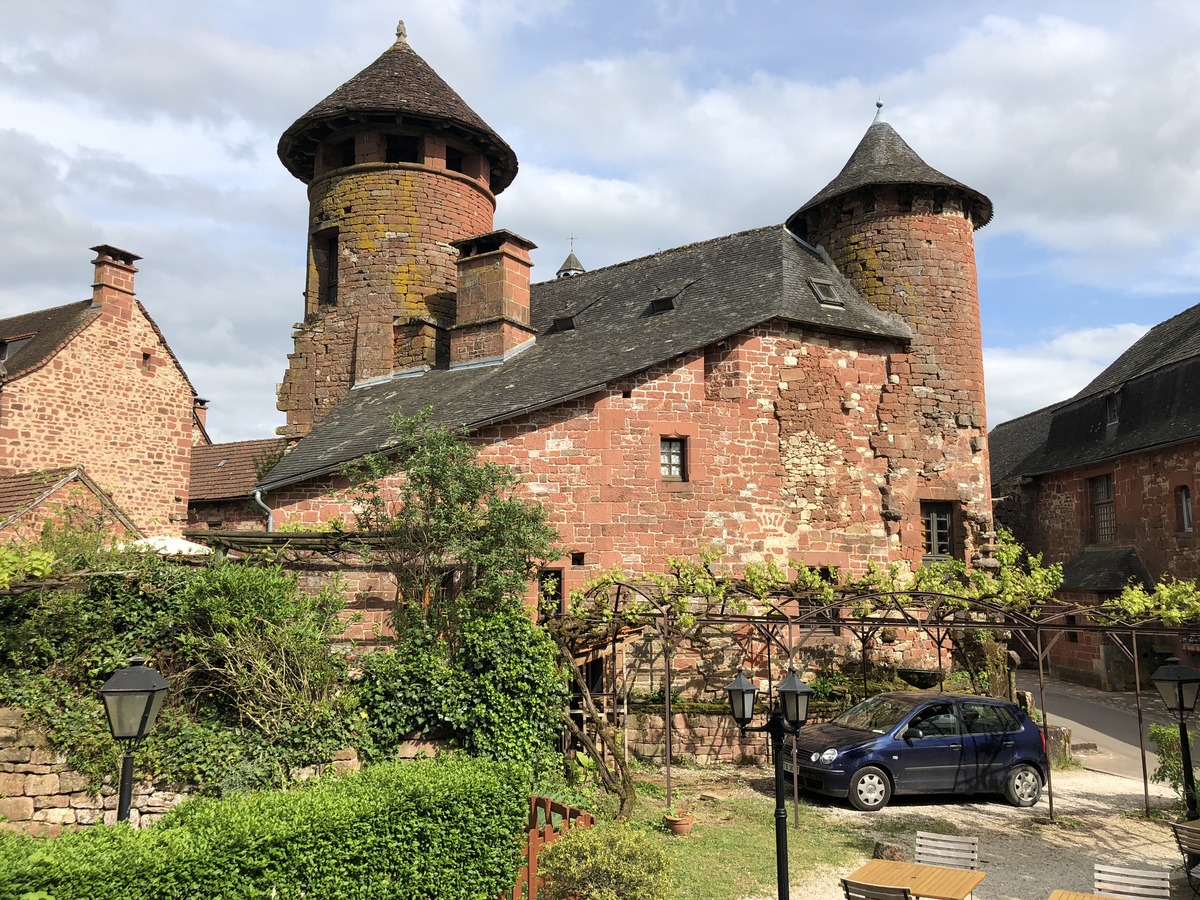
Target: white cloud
<point>1022,379</point>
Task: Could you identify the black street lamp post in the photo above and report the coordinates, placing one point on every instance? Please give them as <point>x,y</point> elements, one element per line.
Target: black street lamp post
<point>789,714</point>
<point>132,699</point>
<point>1179,685</point>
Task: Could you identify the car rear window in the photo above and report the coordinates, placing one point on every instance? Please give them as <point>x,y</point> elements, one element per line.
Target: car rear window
<point>987,718</point>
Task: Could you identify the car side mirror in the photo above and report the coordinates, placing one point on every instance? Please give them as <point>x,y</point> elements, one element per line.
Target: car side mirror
<point>912,733</point>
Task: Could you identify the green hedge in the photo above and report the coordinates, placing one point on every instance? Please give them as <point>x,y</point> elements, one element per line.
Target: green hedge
<point>444,829</point>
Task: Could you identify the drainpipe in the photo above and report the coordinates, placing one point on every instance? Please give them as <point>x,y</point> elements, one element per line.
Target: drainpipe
<point>270,512</point>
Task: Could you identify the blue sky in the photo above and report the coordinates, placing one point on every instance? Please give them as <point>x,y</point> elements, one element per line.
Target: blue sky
<point>638,126</point>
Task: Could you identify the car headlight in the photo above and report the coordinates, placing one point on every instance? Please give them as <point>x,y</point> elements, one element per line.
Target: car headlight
<point>828,756</point>
<point>816,757</point>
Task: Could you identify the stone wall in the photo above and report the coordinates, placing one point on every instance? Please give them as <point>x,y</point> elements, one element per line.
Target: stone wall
<point>41,795</point>
<point>1144,504</point>
<point>115,400</point>
<point>910,251</point>
<point>777,427</point>
<point>388,228</point>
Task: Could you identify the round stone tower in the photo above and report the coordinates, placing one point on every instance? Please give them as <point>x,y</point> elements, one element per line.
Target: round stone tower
<point>903,234</point>
<point>398,167</point>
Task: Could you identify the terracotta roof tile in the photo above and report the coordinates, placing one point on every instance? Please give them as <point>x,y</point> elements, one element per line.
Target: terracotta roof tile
<point>225,471</point>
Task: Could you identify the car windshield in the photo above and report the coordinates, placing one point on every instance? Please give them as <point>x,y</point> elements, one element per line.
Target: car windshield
<point>877,714</point>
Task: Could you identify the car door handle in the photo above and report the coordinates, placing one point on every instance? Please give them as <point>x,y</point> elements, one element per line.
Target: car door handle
<point>956,746</point>
<point>1009,744</point>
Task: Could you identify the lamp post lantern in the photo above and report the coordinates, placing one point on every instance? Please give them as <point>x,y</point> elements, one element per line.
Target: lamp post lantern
<point>132,698</point>
<point>789,714</point>
<point>1179,686</point>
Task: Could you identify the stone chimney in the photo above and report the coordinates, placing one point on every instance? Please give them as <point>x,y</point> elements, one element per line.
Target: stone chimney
<point>112,289</point>
<point>492,310</point>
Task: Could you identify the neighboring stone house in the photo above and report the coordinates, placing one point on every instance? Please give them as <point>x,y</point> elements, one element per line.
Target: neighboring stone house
<point>223,477</point>
<point>93,386</point>
<point>810,390</point>
<point>1104,482</point>
<point>67,497</point>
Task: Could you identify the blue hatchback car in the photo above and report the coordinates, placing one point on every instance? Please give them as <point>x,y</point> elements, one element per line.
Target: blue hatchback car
<point>918,742</point>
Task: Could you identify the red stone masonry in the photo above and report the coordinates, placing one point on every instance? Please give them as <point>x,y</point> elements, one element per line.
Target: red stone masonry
<point>114,400</point>
<point>390,228</point>
<point>912,252</point>
<point>777,424</point>
<point>1144,504</point>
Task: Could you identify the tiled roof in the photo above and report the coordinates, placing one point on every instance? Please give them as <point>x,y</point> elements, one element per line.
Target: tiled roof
<point>725,286</point>
<point>51,329</point>
<point>21,493</point>
<point>226,471</point>
<point>1107,570</point>
<point>1169,342</point>
<point>1153,384</point>
<point>398,87</point>
<point>883,157</point>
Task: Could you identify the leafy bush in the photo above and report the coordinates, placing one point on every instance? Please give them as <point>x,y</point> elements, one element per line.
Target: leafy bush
<point>1165,739</point>
<point>612,862</point>
<point>253,682</point>
<point>438,829</point>
<point>498,695</point>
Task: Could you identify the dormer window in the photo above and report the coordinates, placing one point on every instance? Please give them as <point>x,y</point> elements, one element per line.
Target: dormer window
<point>669,297</point>
<point>10,346</point>
<point>564,323</point>
<point>826,295</point>
<point>1112,409</point>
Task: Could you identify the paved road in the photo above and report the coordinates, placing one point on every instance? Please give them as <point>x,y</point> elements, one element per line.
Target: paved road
<point>1107,719</point>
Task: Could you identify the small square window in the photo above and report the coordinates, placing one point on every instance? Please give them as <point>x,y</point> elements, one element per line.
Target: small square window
<point>577,559</point>
<point>673,459</point>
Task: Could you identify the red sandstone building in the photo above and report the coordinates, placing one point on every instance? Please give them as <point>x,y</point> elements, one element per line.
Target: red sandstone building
<point>807,390</point>
<point>95,410</point>
<point>1104,483</point>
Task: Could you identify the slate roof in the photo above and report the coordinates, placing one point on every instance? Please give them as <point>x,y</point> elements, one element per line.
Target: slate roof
<point>229,471</point>
<point>52,328</point>
<point>883,157</point>
<point>1106,570</point>
<point>1154,384</point>
<point>722,287</point>
<point>398,87</point>
<point>20,494</point>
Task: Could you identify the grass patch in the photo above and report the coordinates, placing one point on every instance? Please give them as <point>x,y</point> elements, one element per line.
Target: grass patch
<point>731,850</point>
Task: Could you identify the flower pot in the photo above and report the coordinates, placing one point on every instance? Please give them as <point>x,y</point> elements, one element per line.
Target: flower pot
<point>679,824</point>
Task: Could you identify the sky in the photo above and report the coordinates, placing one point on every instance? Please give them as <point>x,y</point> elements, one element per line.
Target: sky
<point>639,126</point>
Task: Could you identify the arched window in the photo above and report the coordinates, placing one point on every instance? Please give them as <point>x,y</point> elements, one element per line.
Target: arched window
<point>1183,508</point>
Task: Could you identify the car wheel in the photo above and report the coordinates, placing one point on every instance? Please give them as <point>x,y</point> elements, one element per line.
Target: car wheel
<point>870,789</point>
<point>1023,786</point>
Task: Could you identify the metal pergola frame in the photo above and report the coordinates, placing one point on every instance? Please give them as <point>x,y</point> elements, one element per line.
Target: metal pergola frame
<point>788,621</point>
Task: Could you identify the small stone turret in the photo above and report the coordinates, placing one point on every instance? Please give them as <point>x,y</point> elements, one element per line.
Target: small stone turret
<point>903,234</point>
<point>398,167</point>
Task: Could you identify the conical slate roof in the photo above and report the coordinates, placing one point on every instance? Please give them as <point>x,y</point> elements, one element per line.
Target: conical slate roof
<point>397,87</point>
<point>883,157</point>
<point>571,266</point>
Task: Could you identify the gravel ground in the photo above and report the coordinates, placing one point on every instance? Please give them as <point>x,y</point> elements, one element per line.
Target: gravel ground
<point>1024,855</point>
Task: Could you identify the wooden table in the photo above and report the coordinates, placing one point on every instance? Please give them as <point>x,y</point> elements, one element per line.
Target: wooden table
<point>1075,895</point>
<point>936,882</point>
